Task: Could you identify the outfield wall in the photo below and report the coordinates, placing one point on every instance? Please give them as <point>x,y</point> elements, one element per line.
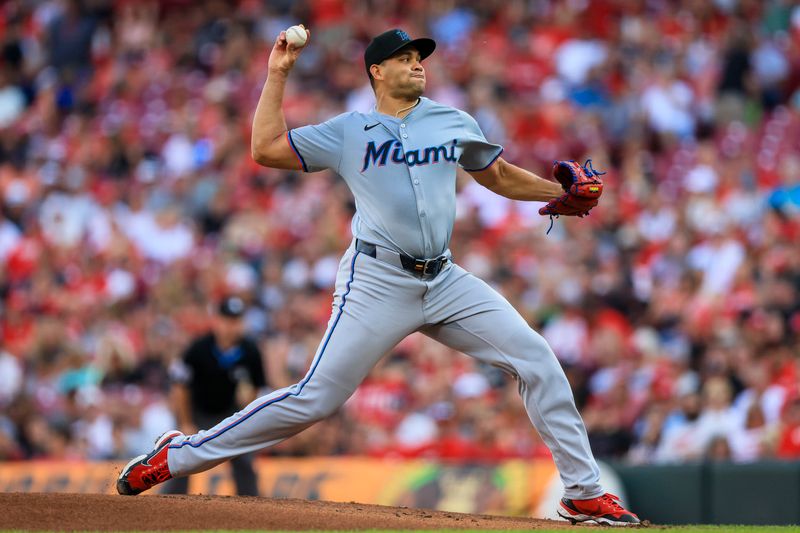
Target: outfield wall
<point>715,493</point>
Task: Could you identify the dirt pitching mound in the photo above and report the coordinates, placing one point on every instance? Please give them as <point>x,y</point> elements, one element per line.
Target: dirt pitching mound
<point>102,512</point>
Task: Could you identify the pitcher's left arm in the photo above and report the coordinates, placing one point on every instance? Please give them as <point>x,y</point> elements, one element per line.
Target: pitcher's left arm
<point>516,183</point>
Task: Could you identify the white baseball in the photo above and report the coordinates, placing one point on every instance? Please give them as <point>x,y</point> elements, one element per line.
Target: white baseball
<point>296,36</point>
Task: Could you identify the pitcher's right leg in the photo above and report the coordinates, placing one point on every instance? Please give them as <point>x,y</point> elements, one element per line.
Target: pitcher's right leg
<point>375,306</point>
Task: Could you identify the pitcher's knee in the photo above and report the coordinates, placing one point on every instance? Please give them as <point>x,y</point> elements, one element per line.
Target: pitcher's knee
<point>527,341</point>
<point>532,358</point>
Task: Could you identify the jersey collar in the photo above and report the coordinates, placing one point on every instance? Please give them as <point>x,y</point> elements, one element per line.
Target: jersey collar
<point>379,116</point>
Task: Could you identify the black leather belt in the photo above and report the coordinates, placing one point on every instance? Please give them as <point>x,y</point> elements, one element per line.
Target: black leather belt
<point>421,268</point>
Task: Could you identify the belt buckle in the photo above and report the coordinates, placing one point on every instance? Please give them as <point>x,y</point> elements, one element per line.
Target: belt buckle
<point>437,263</point>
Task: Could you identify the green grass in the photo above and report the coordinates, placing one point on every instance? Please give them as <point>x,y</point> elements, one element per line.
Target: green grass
<point>726,529</point>
<point>739,529</point>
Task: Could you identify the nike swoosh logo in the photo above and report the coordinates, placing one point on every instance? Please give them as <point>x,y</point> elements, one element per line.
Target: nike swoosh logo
<point>367,128</point>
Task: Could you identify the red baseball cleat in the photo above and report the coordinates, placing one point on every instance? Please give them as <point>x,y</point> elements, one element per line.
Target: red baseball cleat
<point>149,470</point>
<point>604,509</point>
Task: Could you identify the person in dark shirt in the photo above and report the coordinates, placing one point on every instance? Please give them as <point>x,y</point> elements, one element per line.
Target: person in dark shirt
<point>220,372</point>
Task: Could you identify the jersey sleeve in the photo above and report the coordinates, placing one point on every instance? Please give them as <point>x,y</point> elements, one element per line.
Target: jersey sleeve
<point>478,153</point>
<point>318,146</point>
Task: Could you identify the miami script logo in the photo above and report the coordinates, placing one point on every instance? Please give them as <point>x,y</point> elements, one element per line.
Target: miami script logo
<point>424,156</point>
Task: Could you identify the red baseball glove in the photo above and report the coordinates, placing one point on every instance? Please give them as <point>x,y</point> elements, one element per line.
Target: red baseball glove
<point>582,187</point>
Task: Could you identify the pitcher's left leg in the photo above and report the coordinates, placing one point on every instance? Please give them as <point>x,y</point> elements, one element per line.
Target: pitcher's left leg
<point>471,317</point>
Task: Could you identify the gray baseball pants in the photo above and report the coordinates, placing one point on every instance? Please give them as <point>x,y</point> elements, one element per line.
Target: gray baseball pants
<point>375,306</point>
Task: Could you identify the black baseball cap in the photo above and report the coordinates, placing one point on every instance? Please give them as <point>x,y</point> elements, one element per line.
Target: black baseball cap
<point>232,307</point>
<point>390,42</point>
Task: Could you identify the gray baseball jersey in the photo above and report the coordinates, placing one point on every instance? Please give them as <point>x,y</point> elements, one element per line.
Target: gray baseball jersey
<point>402,173</point>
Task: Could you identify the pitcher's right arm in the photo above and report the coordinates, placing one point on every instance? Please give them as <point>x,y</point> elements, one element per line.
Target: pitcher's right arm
<point>269,143</point>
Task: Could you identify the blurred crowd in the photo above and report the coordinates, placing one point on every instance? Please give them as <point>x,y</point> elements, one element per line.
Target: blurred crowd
<point>129,205</point>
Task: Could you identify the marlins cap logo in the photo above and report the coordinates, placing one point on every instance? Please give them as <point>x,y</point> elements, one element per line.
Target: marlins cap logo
<point>403,35</point>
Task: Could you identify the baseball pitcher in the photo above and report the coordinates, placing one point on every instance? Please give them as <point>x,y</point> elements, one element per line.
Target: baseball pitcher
<point>398,275</point>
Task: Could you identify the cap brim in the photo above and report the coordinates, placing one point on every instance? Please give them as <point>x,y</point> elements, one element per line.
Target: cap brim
<point>424,46</point>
